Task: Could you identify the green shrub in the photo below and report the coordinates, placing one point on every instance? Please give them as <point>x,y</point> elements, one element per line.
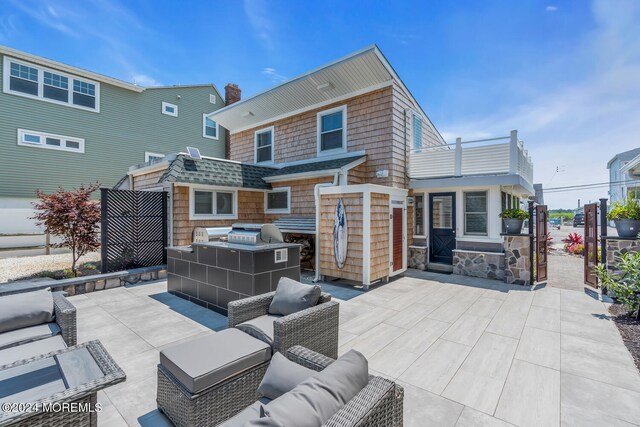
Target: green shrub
<point>625,286</point>
<point>514,213</point>
<point>628,209</point>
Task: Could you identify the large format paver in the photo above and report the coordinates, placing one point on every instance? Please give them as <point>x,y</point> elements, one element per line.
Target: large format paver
<point>469,352</point>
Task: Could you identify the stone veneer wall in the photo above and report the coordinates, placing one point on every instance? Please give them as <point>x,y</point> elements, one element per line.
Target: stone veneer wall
<point>615,248</point>
<point>517,262</point>
<point>417,257</point>
<point>487,265</point>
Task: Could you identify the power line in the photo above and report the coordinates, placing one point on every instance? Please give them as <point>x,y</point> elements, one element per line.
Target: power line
<point>583,185</point>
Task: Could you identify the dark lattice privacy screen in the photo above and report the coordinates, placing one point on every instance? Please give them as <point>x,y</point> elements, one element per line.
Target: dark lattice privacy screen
<point>133,229</point>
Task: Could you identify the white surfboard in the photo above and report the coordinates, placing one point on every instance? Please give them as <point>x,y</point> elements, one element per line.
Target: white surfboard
<point>340,235</point>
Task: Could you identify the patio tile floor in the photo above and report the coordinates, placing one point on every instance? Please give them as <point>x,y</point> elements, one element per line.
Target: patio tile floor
<point>469,352</point>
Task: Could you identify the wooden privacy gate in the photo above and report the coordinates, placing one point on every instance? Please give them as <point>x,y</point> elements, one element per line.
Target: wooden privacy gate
<point>542,245</point>
<point>590,244</point>
<point>133,229</point>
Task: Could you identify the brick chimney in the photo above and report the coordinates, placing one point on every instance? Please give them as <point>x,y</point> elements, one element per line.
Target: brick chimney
<point>231,96</point>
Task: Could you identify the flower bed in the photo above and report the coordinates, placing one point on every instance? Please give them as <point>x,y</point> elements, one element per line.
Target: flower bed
<point>629,328</point>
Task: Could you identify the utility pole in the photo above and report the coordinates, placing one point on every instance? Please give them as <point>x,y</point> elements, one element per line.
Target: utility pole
<point>578,203</point>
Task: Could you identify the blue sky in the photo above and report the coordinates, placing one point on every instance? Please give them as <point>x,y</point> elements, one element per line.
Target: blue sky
<point>565,73</point>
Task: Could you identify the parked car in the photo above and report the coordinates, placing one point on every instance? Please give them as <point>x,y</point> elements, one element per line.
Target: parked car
<point>578,219</point>
<point>555,223</point>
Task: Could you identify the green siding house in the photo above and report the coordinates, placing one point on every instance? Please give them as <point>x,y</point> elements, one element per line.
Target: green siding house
<point>65,126</point>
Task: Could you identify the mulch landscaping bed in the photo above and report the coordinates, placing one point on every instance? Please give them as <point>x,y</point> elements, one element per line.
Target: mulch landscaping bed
<point>629,328</point>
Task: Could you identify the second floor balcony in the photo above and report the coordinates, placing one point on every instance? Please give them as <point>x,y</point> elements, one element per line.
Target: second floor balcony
<point>493,156</point>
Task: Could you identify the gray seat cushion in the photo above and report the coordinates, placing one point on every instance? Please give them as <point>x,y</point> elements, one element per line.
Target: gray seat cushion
<point>31,349</point>
<point>312,402</point>
<point>281,377</point>
<point>211,359</point>
<point>25,309</point>
<point>292,296</point>
<point>260,327</point>
<point>25,335</point>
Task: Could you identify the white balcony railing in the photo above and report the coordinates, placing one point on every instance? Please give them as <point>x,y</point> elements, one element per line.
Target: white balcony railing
<point>465,158</point>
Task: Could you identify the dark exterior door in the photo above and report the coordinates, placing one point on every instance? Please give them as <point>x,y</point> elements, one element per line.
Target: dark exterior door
<point>442,227</point>
<point>397,239</point>
<point>541,242</point>
<point>590,244</point>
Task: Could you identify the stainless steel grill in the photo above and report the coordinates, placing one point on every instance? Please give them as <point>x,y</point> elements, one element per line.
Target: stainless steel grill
<point>254,234</point>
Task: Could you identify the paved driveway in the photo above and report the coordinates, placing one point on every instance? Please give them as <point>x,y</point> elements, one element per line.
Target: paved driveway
<point>469,352</point>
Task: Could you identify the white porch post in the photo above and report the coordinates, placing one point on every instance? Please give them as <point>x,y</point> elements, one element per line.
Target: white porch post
<point>513,153</point>
<point>457,169</point>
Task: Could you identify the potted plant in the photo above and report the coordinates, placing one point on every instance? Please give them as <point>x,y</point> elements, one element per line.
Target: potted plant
<point>626,216</point>
<point>513,219</point>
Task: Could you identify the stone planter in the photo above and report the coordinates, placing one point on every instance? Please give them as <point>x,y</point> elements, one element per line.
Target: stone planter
<point>627,227</point>
<point>513,225</point>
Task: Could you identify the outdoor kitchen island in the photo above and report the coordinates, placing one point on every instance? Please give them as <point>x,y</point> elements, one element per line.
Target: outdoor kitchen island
<point>213,273</point>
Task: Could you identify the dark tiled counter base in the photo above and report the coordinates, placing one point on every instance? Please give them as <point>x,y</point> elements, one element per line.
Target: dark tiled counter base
<point>212,276</point>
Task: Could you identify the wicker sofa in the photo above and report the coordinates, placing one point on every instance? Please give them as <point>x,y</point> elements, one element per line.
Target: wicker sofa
<point>378,404</point>
<point>315,328</point>
<point>34,340</point>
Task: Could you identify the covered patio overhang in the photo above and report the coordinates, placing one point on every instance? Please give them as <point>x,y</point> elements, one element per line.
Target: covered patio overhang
<point>517,182</point>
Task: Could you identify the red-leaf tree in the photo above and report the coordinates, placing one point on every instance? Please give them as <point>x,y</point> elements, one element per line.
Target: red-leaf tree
<point>73,216</point>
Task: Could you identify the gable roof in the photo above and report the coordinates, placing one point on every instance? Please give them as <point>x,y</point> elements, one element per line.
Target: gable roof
<point>357,73</point>
<point>624,156</point>
<point>209,171</point>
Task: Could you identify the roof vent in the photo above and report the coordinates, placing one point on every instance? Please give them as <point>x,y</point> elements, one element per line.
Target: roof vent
<point>325,86</point>
<point>247,114</point>
<point>194,153</point>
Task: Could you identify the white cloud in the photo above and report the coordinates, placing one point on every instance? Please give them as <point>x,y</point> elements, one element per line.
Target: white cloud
<point>257,12</point>
<point>273,75</point>
<point>551,8</point>
<point>145,80</point>
<point>582,125</point>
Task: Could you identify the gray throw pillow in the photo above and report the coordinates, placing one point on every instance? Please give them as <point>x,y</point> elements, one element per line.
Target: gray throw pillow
<point>26,309</point>
<point>281,377</point>
<point>315,400</point>
<point>292,296</point>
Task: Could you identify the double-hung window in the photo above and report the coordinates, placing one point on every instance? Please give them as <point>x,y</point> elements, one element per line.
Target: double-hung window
<point>209,127</point>
<point>475,213</point>
<point>213,203</point>
<point>35,81</point>
<point>278,200</point>
<point>332,132</point>
<point>264,145</point>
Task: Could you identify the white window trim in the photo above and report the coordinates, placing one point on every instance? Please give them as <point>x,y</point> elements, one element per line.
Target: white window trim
<point>424,214</point>
<point>464,212</point>
<point>6,67</point>
<point>212,98</point>
<point>271,129</point>
<point>319,116</point>
<point>212,189</point>
<point>415,117</point>
<point>166,113</point>
<point>148,154</point>
<point>43,136</point>
<point>278,190</point>
<point>204,128</point>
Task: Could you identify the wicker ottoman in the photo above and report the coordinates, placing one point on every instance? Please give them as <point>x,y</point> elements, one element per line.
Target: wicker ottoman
<point>209,379</point>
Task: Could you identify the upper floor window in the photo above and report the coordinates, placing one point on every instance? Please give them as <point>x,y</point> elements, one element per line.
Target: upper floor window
<point>33,81</point>
<point>332,132</point>
<point>209,127</point>
<point>212,98</point>
<point>169,109</point>
<point>51,141</point>
<point>264,145</point>
<point>153,158</point>
<point>417,132</point>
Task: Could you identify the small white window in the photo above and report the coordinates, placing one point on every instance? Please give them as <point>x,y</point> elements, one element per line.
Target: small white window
<point>212,98</point>
<point>263,140</point>
<point>153,158</point>
<point>169,109</point>
<point>332,130</point>
<point>213,204</point>
<point>209,128</point>
<point>51,141</point>
<point>281,255</point>
<point>417,132</point>
<point>475,213</point>
<point>278,200</point>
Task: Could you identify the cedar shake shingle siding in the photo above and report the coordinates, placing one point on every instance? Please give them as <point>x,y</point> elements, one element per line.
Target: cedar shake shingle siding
<point>375,124</point>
